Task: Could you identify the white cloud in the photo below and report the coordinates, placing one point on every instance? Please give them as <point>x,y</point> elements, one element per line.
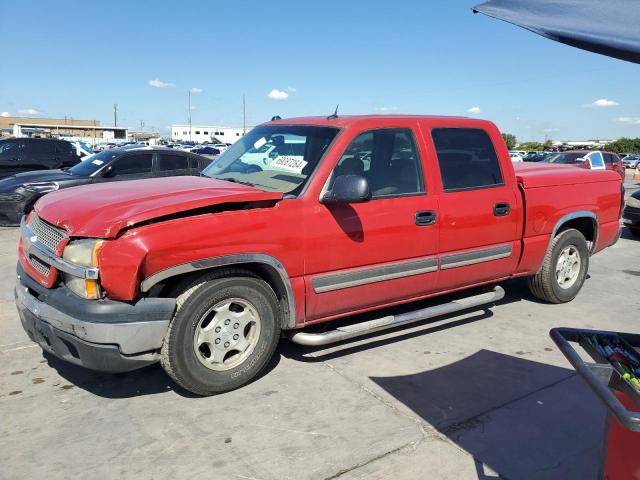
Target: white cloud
<point>390,108</point>
<point>29,111</point>
<point>602,102</point>
<point>5,114</point>
<point>160,84</point>
<point>629,120</point>
<point>196,90</point>
<point>276,94</point>
<point>474,110</point>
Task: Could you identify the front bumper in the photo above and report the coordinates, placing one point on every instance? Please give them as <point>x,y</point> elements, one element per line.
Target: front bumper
<point>631,216</point>
<point>102,335</point>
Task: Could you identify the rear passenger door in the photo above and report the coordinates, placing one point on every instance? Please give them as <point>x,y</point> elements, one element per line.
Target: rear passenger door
<point>66,155</point>
<point>480,209</point>
<point>171,165</point>
<point>38,154</point>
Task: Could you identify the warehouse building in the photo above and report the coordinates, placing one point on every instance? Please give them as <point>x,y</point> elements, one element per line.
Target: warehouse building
<point>87,130</point>
<point>205,133</point>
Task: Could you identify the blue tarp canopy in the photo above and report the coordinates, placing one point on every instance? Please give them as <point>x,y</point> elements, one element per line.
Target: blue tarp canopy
<point>608,27</point>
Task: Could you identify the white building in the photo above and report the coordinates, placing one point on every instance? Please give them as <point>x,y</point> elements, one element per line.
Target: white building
<point>205,133</point>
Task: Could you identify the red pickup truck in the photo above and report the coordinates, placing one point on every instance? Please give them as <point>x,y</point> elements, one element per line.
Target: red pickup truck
<point>301,221</point>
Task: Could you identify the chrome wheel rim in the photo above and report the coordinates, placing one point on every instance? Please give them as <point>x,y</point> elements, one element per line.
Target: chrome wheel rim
<point>226,334</point>
<point>568,267</point>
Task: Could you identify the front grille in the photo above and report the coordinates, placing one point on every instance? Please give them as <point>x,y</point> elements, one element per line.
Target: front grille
<point>48,235</point>
<point>41,267</point>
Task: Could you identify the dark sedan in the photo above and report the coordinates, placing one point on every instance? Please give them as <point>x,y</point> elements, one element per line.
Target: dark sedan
<point>19,192</point>
<point>631,214</point>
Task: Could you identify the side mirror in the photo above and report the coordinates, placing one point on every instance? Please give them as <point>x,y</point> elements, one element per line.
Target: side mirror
<point>107,172</point>
<point>348,189</point>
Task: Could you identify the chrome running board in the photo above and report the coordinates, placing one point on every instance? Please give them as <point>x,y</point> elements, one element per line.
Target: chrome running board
<point>392,321</point>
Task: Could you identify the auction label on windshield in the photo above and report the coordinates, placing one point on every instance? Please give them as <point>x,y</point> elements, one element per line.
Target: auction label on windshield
<point>289,163</point>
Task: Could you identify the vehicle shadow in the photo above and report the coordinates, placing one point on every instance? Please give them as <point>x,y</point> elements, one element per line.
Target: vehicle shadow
<point>627,235</point>
<point>146,381</point>
<point>523,419</point>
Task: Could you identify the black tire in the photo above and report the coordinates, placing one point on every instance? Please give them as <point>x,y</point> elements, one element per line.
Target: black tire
<point>635,231</point>
<point>198,296</point>
<point>544,284</point>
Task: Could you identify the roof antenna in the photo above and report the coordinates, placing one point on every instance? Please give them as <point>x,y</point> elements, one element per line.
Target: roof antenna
<point>334,115</point>
<point>276,117</point>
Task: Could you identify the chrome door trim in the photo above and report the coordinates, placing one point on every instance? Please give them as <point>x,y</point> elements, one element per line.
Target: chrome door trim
<point>380,273</point>
<point>475,256</point>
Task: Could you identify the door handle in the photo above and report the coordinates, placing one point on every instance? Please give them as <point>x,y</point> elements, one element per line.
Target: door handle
<point>425,218</point>
<point>501,209</point>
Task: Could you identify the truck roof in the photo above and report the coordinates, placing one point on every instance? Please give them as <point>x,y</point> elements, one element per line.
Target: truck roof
<point>352,120</point>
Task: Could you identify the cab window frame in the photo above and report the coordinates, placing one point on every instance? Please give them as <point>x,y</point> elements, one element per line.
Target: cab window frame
<point>500,184</point>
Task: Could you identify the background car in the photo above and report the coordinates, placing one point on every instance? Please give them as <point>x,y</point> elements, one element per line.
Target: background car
<point>206,150</point>
<point>631,161</point>
<point>27,154</point>
<point>535,156</point>
<point>631,214</point>
<point>595,160</point>
<point>515,157</point>
<point>19,192</point>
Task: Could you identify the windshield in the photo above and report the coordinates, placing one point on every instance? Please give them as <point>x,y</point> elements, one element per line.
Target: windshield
<point>276,158</point>
<point>564,158</point>
<point>93,163</point>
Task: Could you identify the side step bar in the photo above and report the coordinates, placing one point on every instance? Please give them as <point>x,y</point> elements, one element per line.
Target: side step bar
<point>392,321</point>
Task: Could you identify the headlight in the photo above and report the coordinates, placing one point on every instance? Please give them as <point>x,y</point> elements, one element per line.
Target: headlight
<point>84,253</point>
<point>41,187</point>
<point>633,202</point>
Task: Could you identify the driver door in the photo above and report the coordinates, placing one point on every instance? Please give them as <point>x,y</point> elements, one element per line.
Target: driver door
<point>378,252</point>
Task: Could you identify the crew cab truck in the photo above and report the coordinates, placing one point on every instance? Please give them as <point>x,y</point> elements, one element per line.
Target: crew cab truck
<point>206,274</point>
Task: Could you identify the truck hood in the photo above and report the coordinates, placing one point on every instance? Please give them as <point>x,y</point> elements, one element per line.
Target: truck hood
<point>103,210</point>
<point>541,174</point>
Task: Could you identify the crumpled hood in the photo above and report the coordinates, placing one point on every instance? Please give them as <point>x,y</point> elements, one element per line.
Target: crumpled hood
<point>103,210</point>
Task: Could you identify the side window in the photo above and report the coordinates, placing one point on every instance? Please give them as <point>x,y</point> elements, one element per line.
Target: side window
<point>40,147</point>
<point>387,158</point>
<point>132,165</point>
<point>172,162</point>
<point>610,158</point>
<point>467,158</point>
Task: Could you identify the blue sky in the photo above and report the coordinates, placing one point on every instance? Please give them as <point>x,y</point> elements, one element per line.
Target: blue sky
<point>426,57</point>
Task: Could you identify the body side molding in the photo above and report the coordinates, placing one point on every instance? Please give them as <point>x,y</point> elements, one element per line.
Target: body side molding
<point>288,320</point>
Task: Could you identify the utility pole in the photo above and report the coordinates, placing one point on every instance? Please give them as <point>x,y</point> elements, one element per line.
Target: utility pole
<point>244,116</point>
<point>115,114</point>
<point>189,114</point>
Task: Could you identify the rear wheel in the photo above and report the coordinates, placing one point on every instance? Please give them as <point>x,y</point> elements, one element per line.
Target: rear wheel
<point>224,332</point>
<point>563,270</point>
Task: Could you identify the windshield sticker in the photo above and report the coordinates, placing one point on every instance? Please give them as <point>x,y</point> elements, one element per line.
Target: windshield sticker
<point>289,163</point>
<point>260,143</point>
<point>97,162</point>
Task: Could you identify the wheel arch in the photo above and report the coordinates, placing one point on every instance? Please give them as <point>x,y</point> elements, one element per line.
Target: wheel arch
<point>585,221</point>
<point>269,268</point>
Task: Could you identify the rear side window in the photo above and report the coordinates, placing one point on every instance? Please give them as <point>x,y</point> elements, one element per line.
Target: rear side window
<point>467,159</point>
<point>610,158</point>
<point>65,148</point>
<point>172,162</point>
<point>9,147</point>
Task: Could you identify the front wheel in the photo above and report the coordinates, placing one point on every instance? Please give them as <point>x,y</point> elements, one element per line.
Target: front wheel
<point>563,270</point>
<point>224,332</point>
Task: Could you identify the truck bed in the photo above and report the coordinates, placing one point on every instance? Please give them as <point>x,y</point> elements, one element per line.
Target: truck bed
<point>535,175</point>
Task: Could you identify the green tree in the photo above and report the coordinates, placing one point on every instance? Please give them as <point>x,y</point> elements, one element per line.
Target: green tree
<point>531,146</point>
<point>624,145</point>
<point>510,140</point>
